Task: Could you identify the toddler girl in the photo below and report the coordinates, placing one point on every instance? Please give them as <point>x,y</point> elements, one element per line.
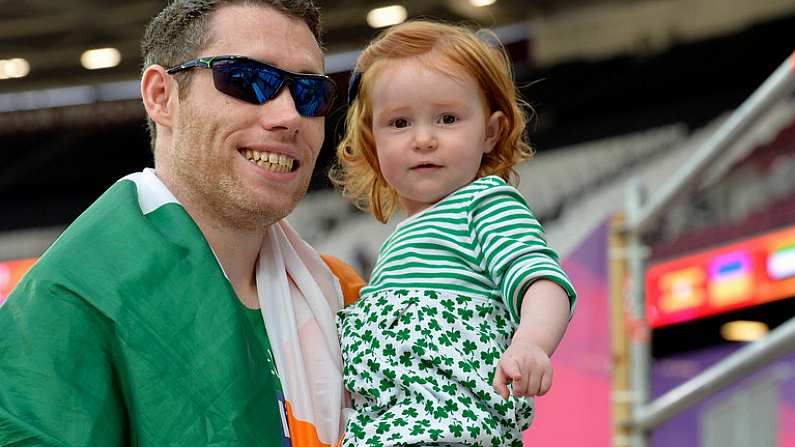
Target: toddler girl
<point>466,297</point>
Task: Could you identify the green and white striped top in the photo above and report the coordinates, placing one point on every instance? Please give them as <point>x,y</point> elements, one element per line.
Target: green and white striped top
<point>481,240</point>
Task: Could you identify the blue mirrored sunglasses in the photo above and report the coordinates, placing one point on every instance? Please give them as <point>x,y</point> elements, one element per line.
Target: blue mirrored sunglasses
<point>256,82</point>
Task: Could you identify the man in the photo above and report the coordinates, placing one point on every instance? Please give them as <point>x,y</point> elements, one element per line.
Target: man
<point>145,323</point>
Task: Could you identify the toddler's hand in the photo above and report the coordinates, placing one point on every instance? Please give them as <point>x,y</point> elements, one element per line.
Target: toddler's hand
<point>527,367</point>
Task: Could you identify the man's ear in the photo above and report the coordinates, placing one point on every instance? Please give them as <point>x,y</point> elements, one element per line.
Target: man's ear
<point>493,131</point>
<point>159,93</point>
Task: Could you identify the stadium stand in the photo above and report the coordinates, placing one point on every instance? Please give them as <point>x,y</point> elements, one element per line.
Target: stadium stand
<point>573,189</point>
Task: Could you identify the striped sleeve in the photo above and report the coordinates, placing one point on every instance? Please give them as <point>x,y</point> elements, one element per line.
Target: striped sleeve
<point>512,247</point>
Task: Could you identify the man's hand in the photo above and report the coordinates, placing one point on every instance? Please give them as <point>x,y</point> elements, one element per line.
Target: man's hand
<point>526,366</point>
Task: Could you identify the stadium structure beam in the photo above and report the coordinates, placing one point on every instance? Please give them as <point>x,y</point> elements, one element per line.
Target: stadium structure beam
<point>641,216</point>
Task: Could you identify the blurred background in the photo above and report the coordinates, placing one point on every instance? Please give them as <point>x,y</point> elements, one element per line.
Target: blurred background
<point>621,90</point>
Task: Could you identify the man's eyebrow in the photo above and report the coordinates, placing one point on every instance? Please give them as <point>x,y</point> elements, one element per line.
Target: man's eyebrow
<point>306,67</point>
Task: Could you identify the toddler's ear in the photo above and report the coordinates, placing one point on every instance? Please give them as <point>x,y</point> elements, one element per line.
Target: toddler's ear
<point>493,130</point>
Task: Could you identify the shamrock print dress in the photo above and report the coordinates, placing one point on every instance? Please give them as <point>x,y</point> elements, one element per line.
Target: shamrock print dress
<point>421,344</point>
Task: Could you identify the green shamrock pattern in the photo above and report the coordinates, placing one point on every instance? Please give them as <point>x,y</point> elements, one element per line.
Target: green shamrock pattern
<point>419,365</point>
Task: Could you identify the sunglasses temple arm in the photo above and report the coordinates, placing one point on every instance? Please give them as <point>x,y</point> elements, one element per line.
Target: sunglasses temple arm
<point>187,65</point>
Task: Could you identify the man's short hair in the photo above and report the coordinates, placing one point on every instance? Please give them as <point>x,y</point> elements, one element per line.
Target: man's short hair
<point>180,32</point>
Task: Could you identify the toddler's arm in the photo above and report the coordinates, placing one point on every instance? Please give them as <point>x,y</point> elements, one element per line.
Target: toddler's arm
<point>544,317</point>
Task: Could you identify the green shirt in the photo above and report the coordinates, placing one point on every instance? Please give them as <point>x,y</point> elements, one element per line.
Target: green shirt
<point>481,240</point>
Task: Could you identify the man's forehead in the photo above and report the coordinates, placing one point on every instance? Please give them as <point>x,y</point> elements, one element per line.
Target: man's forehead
<point>262,33</point>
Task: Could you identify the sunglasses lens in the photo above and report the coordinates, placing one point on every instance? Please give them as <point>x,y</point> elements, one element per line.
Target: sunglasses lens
<point>256,83</point>
<point>313,96</point>
<point>246,80</point>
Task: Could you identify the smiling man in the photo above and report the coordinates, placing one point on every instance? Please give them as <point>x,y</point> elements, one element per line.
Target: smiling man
<point>180,308</point>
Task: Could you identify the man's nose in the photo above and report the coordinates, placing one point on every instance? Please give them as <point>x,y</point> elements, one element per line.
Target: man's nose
<point>279,112</point>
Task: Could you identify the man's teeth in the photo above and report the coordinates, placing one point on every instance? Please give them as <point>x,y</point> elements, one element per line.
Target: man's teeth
<point>270,161</point>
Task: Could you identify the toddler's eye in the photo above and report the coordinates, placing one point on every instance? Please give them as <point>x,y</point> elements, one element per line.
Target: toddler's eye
<point>400,123</point>
<point>448,119</point>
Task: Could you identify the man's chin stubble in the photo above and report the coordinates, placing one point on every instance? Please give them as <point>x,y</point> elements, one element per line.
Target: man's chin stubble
<point>255,217</point>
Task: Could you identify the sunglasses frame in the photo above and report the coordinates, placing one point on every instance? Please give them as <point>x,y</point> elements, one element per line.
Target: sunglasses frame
<point>287,77</point>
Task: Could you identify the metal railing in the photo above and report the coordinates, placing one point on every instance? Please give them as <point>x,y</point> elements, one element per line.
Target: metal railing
<point>636,415</point>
